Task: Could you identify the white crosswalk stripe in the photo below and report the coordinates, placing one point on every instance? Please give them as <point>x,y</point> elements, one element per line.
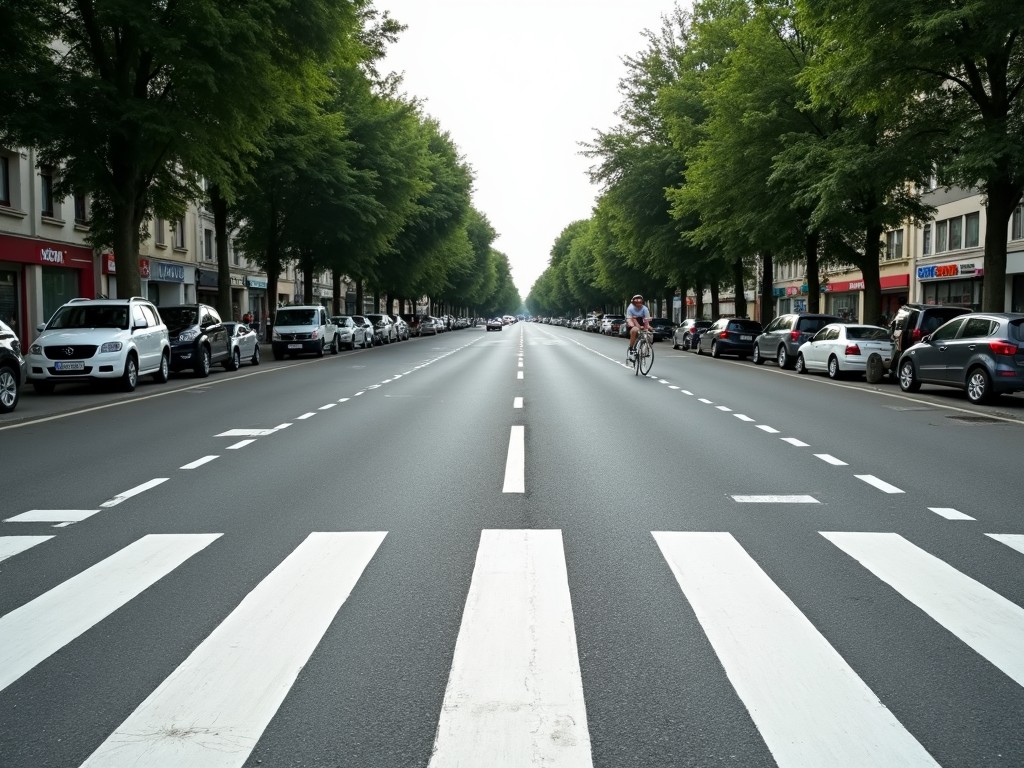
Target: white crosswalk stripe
<point>515,690</point>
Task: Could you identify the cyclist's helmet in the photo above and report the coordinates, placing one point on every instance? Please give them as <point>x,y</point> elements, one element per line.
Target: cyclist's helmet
<point>638,297</point>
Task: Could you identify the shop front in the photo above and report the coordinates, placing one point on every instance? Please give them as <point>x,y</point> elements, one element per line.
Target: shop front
<point>957,283</point>
<point>37,277</point>
<point>257,303</point>
<point>790,298</point>
<point>895,293</point>
<point>168,283</point>
<point>843,299</point>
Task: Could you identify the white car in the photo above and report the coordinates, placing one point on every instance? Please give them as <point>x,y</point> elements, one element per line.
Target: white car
<point>100,339</point>
<point>245,345</point>
<point>352,334</point>
<point>841,348</point>
<point>303,328</point>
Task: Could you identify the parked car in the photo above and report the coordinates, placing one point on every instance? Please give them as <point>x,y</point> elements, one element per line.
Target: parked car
<point>494,324</point>
<point>662,328</point>
<point>401,327</point>
<point>912,322</point>
<point>607,323</point>
<point>383,328</point>
<point>686,333</point>
<point>13,368</point>
<point>245,344</point>
<point>430,326</point>
<point>729,336</point>
<point>100,339</point>
<point>352,334</point>
<point>981,353</point>
<point>199,339</point>
<point>368,332</point>
<point>843,348</point>
<point>413,321</point>
<point>302,329</point>
<point>783,336</point>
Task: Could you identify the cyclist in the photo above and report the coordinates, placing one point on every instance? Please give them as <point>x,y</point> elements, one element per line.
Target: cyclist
<point>637,316</point>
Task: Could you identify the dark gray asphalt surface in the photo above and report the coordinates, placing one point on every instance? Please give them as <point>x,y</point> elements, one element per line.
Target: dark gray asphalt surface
<point>418,448</point>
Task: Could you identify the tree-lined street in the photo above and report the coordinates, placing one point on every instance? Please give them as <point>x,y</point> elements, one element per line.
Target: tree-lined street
<point>323,562</point>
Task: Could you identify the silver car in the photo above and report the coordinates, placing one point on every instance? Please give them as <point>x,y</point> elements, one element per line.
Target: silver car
<point>352,334</point>
<point>842,348</point>
<point>245,344</point>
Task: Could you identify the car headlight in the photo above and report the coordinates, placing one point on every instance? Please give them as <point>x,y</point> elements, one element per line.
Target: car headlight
<point>110,346</point>
<point>188,335</point>
<point>35,349</point>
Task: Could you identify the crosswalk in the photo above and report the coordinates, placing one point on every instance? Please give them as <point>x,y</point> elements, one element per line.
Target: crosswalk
<point>515,692</point>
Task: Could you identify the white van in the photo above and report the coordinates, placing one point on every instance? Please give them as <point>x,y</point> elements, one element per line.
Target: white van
<point>302,329</point>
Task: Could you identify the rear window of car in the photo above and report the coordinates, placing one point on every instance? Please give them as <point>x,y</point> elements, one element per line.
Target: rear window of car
<point>745,326</point>
<point>813,324</point>
<point>867,334</point>
<point>1016,329</point>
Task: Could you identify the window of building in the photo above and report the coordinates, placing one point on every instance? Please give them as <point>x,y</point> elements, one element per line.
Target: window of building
<point>208,244</point>
<point>46,192</point>
<point>894,244</point>
<point>926,239</point>
<point>1017,223</point>
<point>956,232</point>
<point>159,234</point>
<point>972,228</point>
<point>941,234</point>
<point>179,233</point>
<point>81,209</point>
<point>5,180</point>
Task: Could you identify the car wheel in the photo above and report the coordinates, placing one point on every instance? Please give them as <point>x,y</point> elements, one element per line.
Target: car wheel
<point>9,382</point>
<point>979,386</point>
<point>714,349</point>
<point>756,358</point>
<point>235,362</point>
<point>163,375</point>
<point>130,377</point>
<point>255,360</point>
<point>908,382</point>
<point>801,366</point>
<point>833,368</point>
<point>696,347</point>
<point>43,387</point>
<point>323,346</point>
<point>202,369</point>
<point>782,357</point>
<point>335,346</point>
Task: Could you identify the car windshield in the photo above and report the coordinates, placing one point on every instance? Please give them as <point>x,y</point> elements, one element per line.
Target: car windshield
<point>178,317</point>
<point>90,316</point>
<point>866,333</point>
<point>296,317</point>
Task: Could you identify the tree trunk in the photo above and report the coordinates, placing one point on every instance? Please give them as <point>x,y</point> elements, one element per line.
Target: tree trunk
<point>715,306</point>
<point>767,308</point>
<point>1003,198</point>
<point>219,206</point>
<point>811,245</point>
<point>739,289</point>
<point>872,276</point>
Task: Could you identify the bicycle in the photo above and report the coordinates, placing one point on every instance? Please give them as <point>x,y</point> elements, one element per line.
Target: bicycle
<point>643,353</point>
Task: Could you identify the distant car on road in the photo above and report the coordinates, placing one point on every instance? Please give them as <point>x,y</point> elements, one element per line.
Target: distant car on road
<point>843,348</point>
<point>685,334</point>
<point>245,344</point>
<point>662,328</point>
<point>783,336</point>
<point>494,324</point>
<point>302,329</point>
<point>199,338</point>
<point>729,336</point>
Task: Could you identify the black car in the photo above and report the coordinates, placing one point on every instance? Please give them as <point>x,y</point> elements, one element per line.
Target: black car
<point>912,322</point>
<point>729,336</point>
<point>981,353</point>
<point>199,339</point>
<point>13,369</point>
<point>783,336</point>
<point>662,328</point>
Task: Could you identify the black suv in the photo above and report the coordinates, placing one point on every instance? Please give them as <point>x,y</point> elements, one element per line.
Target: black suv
<point>783,336</point>
<point>13,368</point>
<point>912,322</point>
<point>199,339</point>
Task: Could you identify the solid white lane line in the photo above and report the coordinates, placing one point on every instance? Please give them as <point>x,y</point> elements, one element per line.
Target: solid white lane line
<point>210,712</point>
<point>515,695</point>
<point>134,492</point>
<point>53,516</point>
<point>985,620</point>
<point>776,499</point>
<point>1014,540</point>
<point>879,484</point>
<point>31,633</point>
<point>198,462</point>
<point>809,705</point>
<point>830,459</point>
<point>12,545</point>
<point>515,462</point>
<point>949,513</point>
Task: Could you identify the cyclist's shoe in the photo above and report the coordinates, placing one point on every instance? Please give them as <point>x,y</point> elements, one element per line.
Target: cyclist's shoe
<point>631,355</point>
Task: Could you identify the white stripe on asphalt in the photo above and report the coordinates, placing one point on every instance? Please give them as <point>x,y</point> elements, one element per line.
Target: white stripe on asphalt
<point>1015,540</point>
<point>769,430</point>
<point>515,462</point>
<point>515,695</point>
<point>517,402</point>
<point>12,545</point>
<point>830,459</point>
<point>198,462</point>
<point>809,705</point>
<point>134,492</point>
<point>794,441</point>
<point>949,513</point>
<point>985,620</point>
<point>53,516</point>
<point>31,633</point>
<point>210,712</point>
<point>879,484</point>
<point>775,499</point>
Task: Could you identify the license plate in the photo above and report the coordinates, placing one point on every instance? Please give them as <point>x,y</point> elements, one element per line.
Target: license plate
<point>746,338</point>
<point>66,365</point>
<point>294,346</point>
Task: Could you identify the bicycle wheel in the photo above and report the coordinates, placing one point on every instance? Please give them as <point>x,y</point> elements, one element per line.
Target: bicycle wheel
<point>644,357</point>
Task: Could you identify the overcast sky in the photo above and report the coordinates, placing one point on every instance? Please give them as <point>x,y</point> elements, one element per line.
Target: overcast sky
<point>518,84</point>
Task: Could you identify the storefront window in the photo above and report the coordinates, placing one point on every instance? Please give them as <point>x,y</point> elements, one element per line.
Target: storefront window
<point>846,306</point>
<point>964,293</point>
<point>59,287</point>
<point>9,299</point>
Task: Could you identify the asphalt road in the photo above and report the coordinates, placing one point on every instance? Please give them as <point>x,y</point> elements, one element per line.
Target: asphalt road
<point>505,549</point>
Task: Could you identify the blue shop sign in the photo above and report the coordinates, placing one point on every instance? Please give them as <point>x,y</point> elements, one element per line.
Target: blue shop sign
<point>168,273</point>
<point>256,282</point>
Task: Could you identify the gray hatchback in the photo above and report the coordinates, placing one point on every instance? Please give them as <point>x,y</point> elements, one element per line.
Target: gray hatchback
<point>783,336</point>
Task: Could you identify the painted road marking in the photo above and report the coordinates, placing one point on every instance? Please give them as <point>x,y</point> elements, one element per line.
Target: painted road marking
<point>12,545</point>
<point>879,484</point>
<point>515,461</point>
<point>830,459</point>
<point>949,513</point>
<point>53,516</point>
<point>134,492</point>
<point>776,499</point>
